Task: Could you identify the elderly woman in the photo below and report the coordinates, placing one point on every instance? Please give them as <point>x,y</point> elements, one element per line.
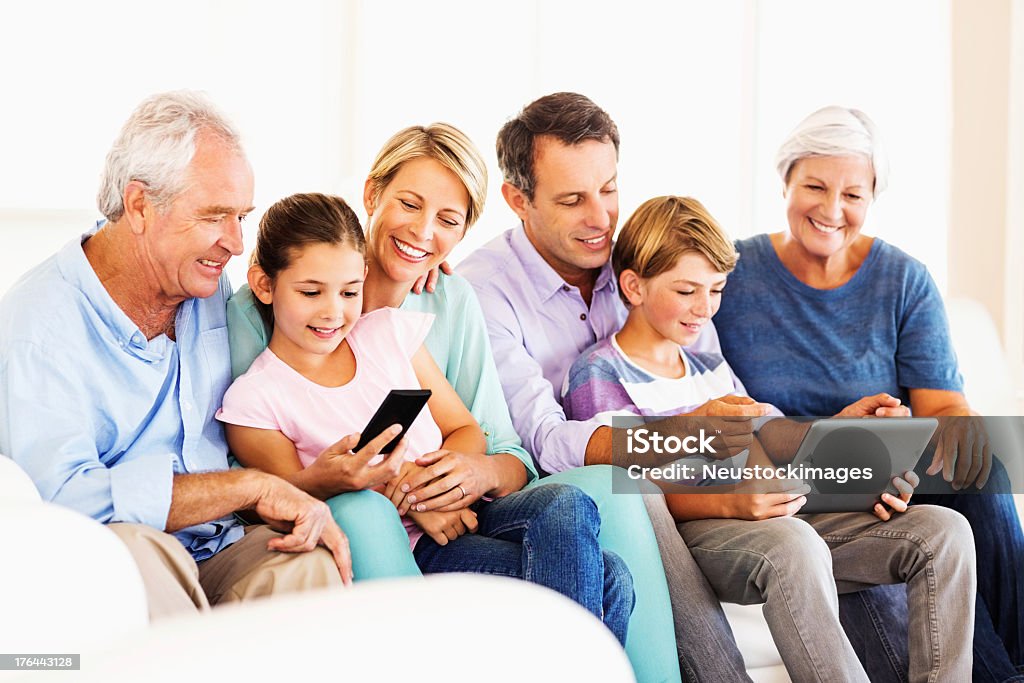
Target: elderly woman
<point>820,316</point>
<point>414,223</point>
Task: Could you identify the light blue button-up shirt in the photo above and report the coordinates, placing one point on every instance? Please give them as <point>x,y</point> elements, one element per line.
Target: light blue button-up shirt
<point>538,326</point>
<point>102,419</point>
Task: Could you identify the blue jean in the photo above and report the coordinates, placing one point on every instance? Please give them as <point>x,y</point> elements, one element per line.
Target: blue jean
<point>547,535</point>
<point>875,620</point>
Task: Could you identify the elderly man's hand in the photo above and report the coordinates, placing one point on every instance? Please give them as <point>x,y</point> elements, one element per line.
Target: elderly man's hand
<point>305,521</point>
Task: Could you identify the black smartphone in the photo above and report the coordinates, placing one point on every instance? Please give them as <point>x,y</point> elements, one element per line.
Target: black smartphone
<point>400,407</point>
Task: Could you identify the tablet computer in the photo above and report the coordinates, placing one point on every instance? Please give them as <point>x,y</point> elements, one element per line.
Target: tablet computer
<point>884,446</point>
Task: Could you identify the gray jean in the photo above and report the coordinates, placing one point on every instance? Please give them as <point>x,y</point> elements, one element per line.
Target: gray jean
<point>796,566</point>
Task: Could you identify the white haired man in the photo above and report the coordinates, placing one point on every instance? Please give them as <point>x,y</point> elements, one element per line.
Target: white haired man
<point>114,358</point>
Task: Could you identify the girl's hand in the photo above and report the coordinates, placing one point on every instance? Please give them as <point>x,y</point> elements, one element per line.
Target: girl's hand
<point>905,485</point>
<point>445,526</point>
<point>338,469</point>
<point>448,481</point>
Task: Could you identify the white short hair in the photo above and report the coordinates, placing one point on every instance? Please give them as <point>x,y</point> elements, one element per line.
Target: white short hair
<point>156,145</point>
<point>835,131</point>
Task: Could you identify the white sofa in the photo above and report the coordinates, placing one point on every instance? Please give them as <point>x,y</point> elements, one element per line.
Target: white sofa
<point>74,588</point>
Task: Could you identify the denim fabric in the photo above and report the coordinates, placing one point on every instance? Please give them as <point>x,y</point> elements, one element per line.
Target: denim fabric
<point>881,642</point>
<point>546,535</point>
<point>376,537</point>
<point>626,530</point>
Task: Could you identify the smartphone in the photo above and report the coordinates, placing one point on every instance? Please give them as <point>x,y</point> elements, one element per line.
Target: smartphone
<point>400,407</point>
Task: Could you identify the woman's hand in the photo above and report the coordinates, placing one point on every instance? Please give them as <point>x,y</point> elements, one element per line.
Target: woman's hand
<point>879,405</point>
<point>449,480</point>
<point>445,526</point>
<point>393,491</point>
<point>963,453</point>
<point>905,485</point>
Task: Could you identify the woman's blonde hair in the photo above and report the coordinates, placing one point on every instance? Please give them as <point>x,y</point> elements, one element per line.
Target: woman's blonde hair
<point>664,228</point>
<point>443,143</point>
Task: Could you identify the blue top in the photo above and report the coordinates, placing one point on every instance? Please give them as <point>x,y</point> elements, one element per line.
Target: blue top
<point>457,341</point>
<point>100,418</point>
<point>814,351</point>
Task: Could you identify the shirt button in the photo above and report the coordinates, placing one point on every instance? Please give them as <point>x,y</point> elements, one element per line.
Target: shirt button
<point>565,288</point>
<point>583,316</point>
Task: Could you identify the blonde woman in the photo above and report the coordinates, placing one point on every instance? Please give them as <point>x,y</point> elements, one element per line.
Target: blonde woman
<point>425,190</point>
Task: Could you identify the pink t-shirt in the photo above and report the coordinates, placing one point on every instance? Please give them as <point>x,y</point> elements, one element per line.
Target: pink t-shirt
<point>273,395</point>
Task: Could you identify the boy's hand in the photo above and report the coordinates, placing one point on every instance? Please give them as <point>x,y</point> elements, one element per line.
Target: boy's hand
<point>905,485</point>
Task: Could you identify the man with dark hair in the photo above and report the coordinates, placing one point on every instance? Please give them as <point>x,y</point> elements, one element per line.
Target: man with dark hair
<point>548,292</point>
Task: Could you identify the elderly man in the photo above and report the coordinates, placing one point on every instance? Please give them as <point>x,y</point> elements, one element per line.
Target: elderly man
<point>114,358</point>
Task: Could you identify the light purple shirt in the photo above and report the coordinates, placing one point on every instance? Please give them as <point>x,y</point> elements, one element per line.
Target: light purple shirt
<point>539,326</point>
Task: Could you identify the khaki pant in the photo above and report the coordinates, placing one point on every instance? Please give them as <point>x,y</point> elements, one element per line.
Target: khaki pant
<point>242,571</point>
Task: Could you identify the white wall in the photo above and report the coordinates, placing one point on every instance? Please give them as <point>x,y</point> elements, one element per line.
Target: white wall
<point>702,92</point>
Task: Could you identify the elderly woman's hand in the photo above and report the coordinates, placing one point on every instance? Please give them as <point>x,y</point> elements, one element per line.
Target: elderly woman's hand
<point>879,405</point>
<point>963,453</point>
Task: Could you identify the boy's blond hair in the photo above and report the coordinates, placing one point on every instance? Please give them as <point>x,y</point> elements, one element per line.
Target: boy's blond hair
<point>664,228</point>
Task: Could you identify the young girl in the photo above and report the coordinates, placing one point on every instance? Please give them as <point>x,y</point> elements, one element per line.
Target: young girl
<point>325,372</point>
<point>672,260</point>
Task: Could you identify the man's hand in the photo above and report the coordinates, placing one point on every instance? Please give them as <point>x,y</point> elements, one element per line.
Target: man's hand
<point>963,453</point>
<point>429,281</point>
<point>879,405</point>
<point>445,526</point>
<point>447,480</point>
<point>338,469</point>
<point>305,521</point>
<point>905,485</point>
<point>772,498</point>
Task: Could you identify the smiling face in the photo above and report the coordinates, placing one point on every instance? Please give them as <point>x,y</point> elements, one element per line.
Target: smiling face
<point>416,220</point>
<point>678,303</point>
<point>316,300</point>
<point>185,246</point>
<point>827,200</point>
<point>575,205</point>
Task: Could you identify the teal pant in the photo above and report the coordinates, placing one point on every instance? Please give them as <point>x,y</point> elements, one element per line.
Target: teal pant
<point>380,549</point>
